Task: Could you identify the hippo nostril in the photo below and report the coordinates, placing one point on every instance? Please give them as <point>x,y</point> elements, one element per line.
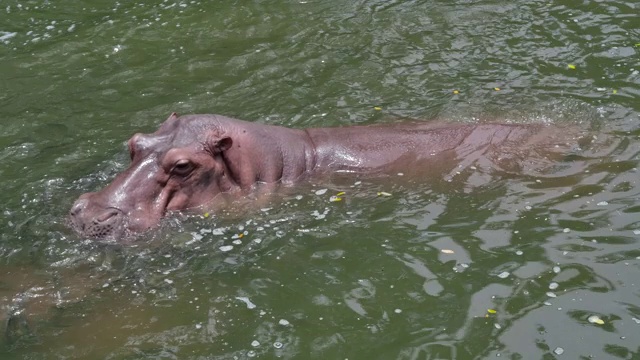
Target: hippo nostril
<point>78,206</point>
<point>107,215</point>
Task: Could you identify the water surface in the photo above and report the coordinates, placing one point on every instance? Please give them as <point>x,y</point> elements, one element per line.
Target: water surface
<point>490,264</point>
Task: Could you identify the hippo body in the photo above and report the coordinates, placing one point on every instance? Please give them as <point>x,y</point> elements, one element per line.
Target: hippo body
<point>191,159</point>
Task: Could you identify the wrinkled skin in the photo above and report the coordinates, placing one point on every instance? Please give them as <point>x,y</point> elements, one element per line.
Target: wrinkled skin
<point>191,159</point>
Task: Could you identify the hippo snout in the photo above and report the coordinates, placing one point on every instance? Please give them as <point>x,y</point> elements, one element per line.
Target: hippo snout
<point>94,221</point>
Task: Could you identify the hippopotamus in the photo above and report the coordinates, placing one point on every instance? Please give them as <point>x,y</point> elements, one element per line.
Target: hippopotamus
<point>192,159</point>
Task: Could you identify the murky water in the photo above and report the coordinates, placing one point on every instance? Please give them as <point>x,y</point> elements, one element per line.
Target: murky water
<point>490,264</point>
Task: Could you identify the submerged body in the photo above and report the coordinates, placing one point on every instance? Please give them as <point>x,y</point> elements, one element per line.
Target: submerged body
<point>191,159</point>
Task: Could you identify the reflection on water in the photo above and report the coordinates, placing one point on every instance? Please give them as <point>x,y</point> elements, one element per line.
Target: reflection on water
<point>482,262</point>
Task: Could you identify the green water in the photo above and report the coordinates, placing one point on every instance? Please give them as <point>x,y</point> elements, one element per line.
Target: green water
<point>366,278</point>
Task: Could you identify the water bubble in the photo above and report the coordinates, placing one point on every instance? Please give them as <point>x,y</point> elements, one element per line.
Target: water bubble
<point>503,275</point>
<point>255,343</point>
<point>278,345</point>
<point>519,252</point>
<point>251,353</point>
<point>556,269</point>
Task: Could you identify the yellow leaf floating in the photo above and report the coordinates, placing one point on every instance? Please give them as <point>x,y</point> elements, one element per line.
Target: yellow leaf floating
<point>571,66</point>
<point>377,108</point>
<point>340,193</point>
<point>496,88</point>
<point>240,236</point>
<point>491,311</point>
<point>456,92</point>
<point>335,199</point>
<point>595,319</point>
<point>206,214</point>
<point>382,193</point>
<point>615,91</point>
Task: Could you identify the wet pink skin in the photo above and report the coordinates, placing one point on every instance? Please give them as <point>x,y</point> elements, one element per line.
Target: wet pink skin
<point>191,159</point>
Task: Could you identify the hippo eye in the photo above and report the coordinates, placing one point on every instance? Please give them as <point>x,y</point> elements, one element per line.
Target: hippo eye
<point>182,167</point>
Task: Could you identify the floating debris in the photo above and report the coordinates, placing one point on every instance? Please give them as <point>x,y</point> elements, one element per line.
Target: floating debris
<point>556,269</point>
<point>278,345</point>
<point>397,311</point>
<point>496,88</point>
<point>497,326</point>
<point>551,295</point>
<point>503,275</point>
<point>456,92</point>
<point>566,230</point>
<point>382,193</point>
<point>335,198</point>
<point>284,322</point>
<point>636,232</point>
<point>251,353</point>
<point>519,252</point>
<point>492,311</point>
<point>602,203</point>
<point>198,326</point>
<point>377,108</point>
<point>226,248</point>
<point>246,300</point>
<point>321,192</point>
<point>595,319</point>
<point>553,286</point>
<point>559,351</point>
<point>255,343</point>
<point>447,251</point>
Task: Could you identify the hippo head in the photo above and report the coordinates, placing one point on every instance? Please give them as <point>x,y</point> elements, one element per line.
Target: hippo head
<point>178,167</point>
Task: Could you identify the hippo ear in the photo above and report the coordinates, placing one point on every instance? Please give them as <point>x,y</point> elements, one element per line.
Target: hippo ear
<point>220,145</point>
<point>173,116</point>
